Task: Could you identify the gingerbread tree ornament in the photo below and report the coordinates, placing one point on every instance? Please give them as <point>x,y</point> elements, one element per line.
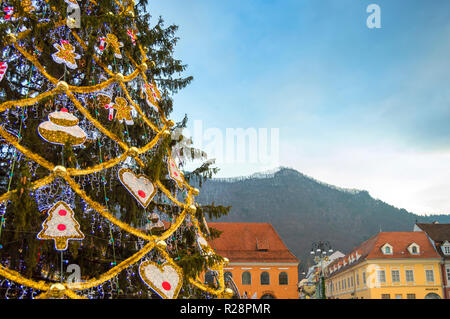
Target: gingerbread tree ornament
<point>61,226</point>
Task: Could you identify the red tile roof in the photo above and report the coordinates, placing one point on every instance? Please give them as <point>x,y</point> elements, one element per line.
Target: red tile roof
<point>250,242</point>
<point>400,241</point>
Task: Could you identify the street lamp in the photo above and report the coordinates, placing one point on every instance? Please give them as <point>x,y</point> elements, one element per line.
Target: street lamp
<point>321,249</point>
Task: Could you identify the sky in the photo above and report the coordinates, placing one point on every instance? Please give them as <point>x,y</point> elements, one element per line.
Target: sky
<point>356,107</point>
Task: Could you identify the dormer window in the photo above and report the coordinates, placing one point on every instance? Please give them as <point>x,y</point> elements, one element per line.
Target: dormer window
<point>387,249</point>
<point>446,248</point>
<point>262,244</point>
<point>414,249</point>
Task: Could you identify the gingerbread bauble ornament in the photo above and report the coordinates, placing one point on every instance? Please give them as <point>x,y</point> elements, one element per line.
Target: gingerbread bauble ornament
<point>62,128</point>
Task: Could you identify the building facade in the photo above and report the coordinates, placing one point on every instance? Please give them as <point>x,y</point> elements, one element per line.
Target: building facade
<point>390,265</point>
<point>261,265</point>
<point>439,235</point>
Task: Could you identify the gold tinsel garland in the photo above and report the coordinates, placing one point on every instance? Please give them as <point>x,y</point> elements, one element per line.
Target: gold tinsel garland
<point>50,290</point>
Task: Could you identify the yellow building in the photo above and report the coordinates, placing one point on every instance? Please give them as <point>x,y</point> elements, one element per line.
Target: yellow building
<point>390,265</point>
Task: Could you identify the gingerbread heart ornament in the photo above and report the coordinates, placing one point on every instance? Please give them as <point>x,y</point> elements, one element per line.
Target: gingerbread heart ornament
<point>175,173</point>
<point>139,186</point>
<point>203,245</point>
<point>166,280</point>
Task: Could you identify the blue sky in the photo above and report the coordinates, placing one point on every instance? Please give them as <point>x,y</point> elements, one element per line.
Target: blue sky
<point>355,107</point>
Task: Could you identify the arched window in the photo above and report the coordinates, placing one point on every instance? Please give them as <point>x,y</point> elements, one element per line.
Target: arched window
<point>265,278</point>
<point>228,274</point>
<point>432,295</point>
<point>283,278</point>
<point>246,278</point>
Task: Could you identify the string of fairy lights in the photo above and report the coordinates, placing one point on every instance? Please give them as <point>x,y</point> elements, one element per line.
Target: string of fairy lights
<point>65,184</point>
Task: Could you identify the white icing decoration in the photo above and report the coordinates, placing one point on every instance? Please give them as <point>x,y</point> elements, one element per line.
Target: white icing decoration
<point>154,277</point>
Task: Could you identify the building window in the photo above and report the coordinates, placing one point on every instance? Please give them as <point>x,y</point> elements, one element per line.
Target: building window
<point>339,285</point>
<point>283,278</point>
<point>409,275</point>
<point>351,281</point>
<point>364,278</point>
<point>357,280</point>
<point>385,296</point>
<point>447,270</point>
<point>268,296</point>
<point>432,295</point>
<point>348,282</point>
<point>387,250</point>
<point>411,296</point>
<point>446,250</point>
<point>395,276</point>
<point>381,276</point>
<point>398,296</point>
<point>414,249</point>
<point>429,275</point>
<point>246,278</point>
<point>265,278</point>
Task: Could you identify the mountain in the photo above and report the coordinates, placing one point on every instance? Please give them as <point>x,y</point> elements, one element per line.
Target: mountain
<point>304,210</point>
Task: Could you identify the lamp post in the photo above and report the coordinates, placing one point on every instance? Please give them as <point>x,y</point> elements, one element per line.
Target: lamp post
<point>321,250</point>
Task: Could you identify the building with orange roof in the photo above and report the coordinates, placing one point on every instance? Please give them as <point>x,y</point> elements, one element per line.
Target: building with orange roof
<point>261,265</point>
<point>400,265</point>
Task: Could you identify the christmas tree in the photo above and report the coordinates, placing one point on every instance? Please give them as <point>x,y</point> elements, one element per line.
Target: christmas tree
<point>90,163</point>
